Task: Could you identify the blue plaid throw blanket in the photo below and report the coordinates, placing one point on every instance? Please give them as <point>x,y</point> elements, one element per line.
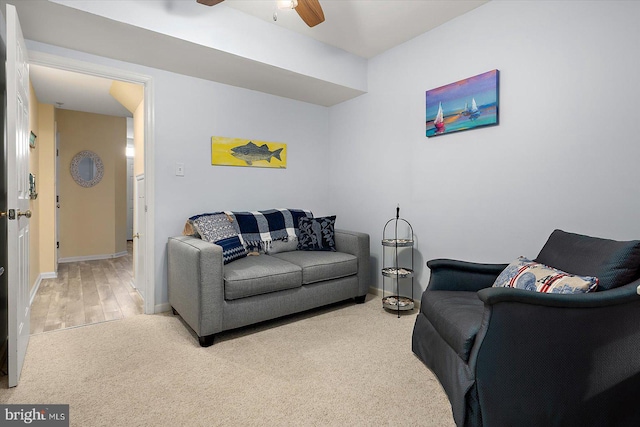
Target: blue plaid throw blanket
<point>257,229</point>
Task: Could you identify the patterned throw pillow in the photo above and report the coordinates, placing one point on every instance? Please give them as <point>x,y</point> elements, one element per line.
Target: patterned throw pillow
<point>216,228</point>
<point>533,276</point>
<point>317,234</point>
<point>232,249</point>
<point>278,246</point>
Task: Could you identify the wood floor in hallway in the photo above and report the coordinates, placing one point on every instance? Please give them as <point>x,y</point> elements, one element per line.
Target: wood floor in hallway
<point>86,292</point>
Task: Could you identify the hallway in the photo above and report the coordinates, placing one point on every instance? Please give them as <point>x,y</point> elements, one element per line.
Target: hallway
<point>86,292</point>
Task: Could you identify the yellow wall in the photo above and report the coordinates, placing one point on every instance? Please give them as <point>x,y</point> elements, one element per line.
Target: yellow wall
<point>92,220</point>
<point>42,255</point>
<point>47,187</point>
<point>127,94</point>
<point>131,96</point>
<point>34,224</point>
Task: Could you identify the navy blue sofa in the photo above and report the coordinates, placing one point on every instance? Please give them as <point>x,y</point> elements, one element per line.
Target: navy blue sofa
<point>513,357</point>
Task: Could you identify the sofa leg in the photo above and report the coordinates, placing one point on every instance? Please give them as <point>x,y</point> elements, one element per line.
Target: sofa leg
<point>360,299</point>
<point>207,340</point>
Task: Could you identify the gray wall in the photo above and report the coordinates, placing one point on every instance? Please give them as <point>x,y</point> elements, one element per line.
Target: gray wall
<point>564,156</point>
<point>188,111</point>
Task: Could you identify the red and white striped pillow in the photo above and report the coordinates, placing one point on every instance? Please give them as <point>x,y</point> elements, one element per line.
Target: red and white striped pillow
<point>530,275</point>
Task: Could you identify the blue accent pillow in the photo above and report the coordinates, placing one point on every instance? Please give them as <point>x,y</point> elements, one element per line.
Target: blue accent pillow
<point>216,228</point>
<point>317,234</point>
<point>232,249</point>
<point>213,227</point>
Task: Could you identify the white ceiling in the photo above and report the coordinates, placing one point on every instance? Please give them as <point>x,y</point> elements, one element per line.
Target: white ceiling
<point>361,27</point>
<point>73,91</point>
<point>364,27</point>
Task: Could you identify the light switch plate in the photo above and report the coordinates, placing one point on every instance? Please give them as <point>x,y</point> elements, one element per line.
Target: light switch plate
<point>179,169</point>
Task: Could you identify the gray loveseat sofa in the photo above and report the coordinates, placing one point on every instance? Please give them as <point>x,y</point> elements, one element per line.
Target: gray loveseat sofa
<point>212,297</point>
<point>507,356</point>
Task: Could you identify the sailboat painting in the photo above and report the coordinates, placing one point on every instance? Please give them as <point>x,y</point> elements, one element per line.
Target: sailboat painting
<point>466,104</point>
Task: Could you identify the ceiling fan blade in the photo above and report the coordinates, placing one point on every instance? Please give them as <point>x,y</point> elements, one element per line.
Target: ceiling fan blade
<point>209,2</point>
<point>310,11</point>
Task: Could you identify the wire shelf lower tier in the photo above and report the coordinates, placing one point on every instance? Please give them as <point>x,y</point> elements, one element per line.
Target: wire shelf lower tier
<point>401,243</point>
<point>399,273</point>
<point>395,302</point>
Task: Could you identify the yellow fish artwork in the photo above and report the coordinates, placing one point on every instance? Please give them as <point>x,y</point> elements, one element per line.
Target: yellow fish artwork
<point>244,152</point>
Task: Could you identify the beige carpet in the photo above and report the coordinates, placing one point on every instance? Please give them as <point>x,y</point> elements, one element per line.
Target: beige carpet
<point>344,365</point>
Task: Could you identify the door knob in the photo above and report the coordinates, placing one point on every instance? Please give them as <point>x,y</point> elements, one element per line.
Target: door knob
<point>27,213</point>
<point>136,236</point>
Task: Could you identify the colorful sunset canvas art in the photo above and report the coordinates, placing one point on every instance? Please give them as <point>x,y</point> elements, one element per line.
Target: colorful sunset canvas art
<point>247,152</point>
<point>466,104</point>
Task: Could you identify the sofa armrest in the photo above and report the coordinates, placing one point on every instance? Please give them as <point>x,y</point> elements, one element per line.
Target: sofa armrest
<point>356,243</point>
<point>195,282</point>
<point>454,275</point>
<point>574,355</point>
<point>620,295</point>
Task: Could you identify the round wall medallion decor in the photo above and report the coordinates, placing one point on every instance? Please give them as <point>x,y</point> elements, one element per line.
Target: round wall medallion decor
<point>87,168</point>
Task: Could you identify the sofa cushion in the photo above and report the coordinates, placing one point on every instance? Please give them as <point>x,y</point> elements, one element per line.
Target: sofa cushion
<point>456,315</point>
<point>614,263</point>
<point>255,275</point>
<point>533,276</point>
<point>319,266</point>
<point>317,234</point>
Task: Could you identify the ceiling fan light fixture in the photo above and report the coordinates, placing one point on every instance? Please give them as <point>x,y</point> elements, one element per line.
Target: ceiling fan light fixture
<point>287,4</point>
<point>311,12</point>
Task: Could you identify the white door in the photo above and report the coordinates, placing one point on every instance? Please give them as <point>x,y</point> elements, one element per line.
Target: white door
<point>17,150</point>
<point>130,180</point>
<point>139,240</point>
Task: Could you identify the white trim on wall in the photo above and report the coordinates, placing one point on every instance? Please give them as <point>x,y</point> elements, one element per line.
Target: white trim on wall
<point>161,308</point>
<point>36,286</point>
<point>68,64</point>
<point>91,257</point>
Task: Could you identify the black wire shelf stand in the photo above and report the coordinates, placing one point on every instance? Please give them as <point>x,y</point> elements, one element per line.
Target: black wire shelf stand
<point>394,243</point>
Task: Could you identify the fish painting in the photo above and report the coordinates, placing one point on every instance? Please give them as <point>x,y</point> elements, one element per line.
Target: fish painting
<point>244,152</point>
<point>252,153</point>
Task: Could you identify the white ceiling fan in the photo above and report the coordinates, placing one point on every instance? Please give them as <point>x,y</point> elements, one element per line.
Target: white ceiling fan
<point>309,10</point>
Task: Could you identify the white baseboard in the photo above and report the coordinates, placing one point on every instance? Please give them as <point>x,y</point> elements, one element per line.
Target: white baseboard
<point>378,292</point>
<point>161,308</point>
<point>36,286</point>
<point>92,257</point>
<point>34,289</point>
